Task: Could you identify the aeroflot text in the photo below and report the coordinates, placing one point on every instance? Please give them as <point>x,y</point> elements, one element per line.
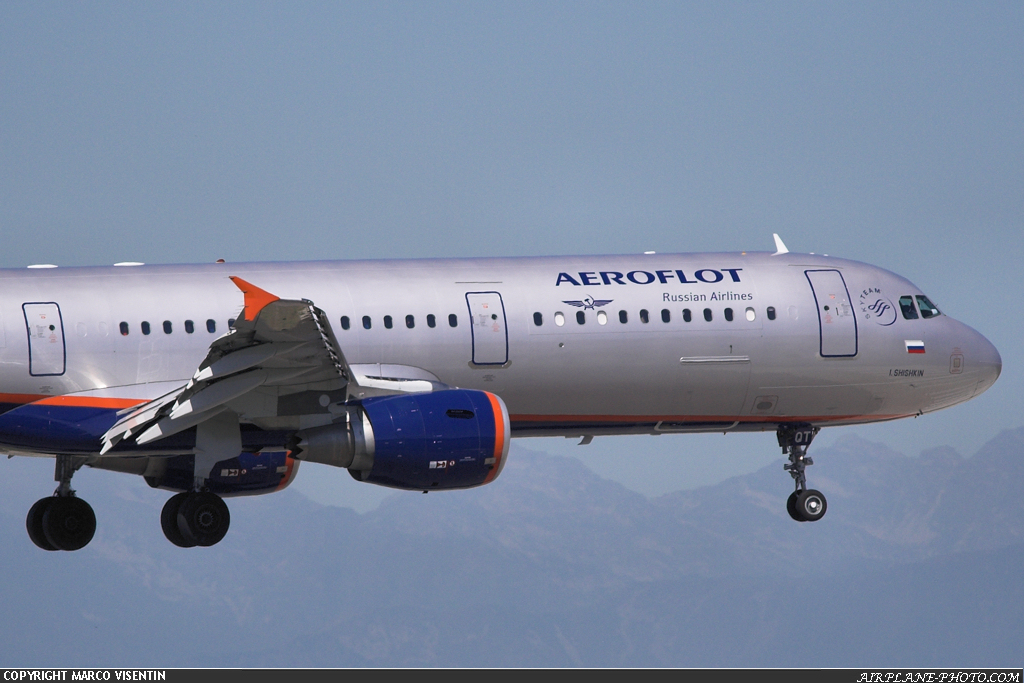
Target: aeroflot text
<point>592,278</point>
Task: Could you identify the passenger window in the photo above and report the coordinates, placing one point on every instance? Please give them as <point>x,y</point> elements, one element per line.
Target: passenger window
<point>687,316</point>
<point>145,327</point>
<point>167,327</point>
<point>388,323</point>
<point>771,313</point>
<point>751,315</point>
<point>431,320</point>
<point>231,323</point>
<point>538,319</point>
<point>190,327</point>
<point>211,326</point>
<point>581,318</point>
<point>367,323</point>
<point>728,315</point>
<point>559,319</point>
<point>907,306</point>
<point>345,322</point>
<point>410,321</point>
<point>124,329</point>
<point>644,316</point>
<point>623,317</point>
<point>602,318</point>
<point>453,320</point>
<point>707,314</point>
<point>666,315</point>
<point>928,309</point>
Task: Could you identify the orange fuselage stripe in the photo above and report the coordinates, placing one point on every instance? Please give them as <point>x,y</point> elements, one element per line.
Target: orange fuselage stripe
<point>121,403</point>
<point>89,402</point>
<point>21,399</point>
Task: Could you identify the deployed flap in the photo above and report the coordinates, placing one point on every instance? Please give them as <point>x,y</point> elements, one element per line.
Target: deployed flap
<point>275,342</point>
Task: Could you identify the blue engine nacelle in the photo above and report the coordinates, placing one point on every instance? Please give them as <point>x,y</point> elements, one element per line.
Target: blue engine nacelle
<point>451,439</point>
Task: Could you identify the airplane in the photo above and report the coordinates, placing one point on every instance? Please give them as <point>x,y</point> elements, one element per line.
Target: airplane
<point>219,380</point>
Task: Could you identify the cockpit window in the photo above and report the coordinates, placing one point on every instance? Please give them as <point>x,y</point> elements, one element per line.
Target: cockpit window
<point>928,309</point>
<point>907,306</point>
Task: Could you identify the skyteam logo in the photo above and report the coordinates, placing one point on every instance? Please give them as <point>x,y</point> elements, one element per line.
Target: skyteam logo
<point>876,307</point>
<point>589,303</point>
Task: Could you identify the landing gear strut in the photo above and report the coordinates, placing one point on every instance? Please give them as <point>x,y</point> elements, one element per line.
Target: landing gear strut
<point>803,505</point>
<point>199,517</point>
<point>62,521</point>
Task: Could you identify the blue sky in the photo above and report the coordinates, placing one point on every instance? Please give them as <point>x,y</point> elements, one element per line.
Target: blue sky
<point>884,132</point>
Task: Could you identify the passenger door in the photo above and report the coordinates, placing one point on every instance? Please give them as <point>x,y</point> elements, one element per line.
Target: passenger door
<point>836,320</point>
<point>47,355</point>
<point>488,327</point>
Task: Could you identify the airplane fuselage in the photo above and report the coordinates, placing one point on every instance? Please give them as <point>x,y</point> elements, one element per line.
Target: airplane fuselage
<point>216,380</point>
<point>574,345</point>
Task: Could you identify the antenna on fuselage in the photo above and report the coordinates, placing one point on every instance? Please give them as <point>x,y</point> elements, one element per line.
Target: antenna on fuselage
<point>780,247</point>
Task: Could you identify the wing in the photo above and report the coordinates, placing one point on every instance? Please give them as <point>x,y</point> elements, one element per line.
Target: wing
<point>278,349</point>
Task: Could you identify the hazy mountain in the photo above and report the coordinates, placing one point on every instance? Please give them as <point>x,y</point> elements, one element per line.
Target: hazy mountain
<point>916,563</point>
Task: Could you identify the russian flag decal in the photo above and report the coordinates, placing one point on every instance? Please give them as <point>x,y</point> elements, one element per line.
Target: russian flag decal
<point>914,345</point>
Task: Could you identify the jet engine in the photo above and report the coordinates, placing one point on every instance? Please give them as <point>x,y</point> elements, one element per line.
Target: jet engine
<point>451,439</point>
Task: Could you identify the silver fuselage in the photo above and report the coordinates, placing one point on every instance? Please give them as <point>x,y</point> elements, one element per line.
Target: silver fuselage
<point>858,360</point>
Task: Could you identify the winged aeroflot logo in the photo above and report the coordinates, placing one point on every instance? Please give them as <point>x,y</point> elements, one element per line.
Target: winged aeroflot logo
<point>589,303</point>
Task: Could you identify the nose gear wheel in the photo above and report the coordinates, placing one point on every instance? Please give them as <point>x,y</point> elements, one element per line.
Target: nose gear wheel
<point>803,505</point>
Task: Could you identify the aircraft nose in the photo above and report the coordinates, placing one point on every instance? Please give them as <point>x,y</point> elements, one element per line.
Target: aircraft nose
<point>987,358</point>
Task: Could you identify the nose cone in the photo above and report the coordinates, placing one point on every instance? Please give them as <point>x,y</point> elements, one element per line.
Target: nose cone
<point>988,360</point>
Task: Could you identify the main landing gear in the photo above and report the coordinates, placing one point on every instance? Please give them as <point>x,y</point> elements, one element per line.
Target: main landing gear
<point>62,521</point>
<point>804,504</point>
<point>65,522</point>
<point>197,518</point>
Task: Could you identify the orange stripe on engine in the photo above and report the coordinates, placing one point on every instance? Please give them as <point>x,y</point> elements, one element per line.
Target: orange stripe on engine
<point>289,462</point>
<point>499,436</point>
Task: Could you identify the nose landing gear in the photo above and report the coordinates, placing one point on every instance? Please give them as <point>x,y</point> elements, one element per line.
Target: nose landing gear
<point>803,505</point>
<point>62,521</point>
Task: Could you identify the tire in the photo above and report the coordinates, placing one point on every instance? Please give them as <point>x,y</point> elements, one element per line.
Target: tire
<point>203,518</point>
<point>791,507</point>
<point>34,523</point>
<point>169,521</point>
<point>811,505</point>
<point>69,523</point>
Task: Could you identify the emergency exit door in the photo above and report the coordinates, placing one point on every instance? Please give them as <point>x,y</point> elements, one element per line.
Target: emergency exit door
<point>487,325</point>
<point>46,352</point>
<point>836,320</point>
